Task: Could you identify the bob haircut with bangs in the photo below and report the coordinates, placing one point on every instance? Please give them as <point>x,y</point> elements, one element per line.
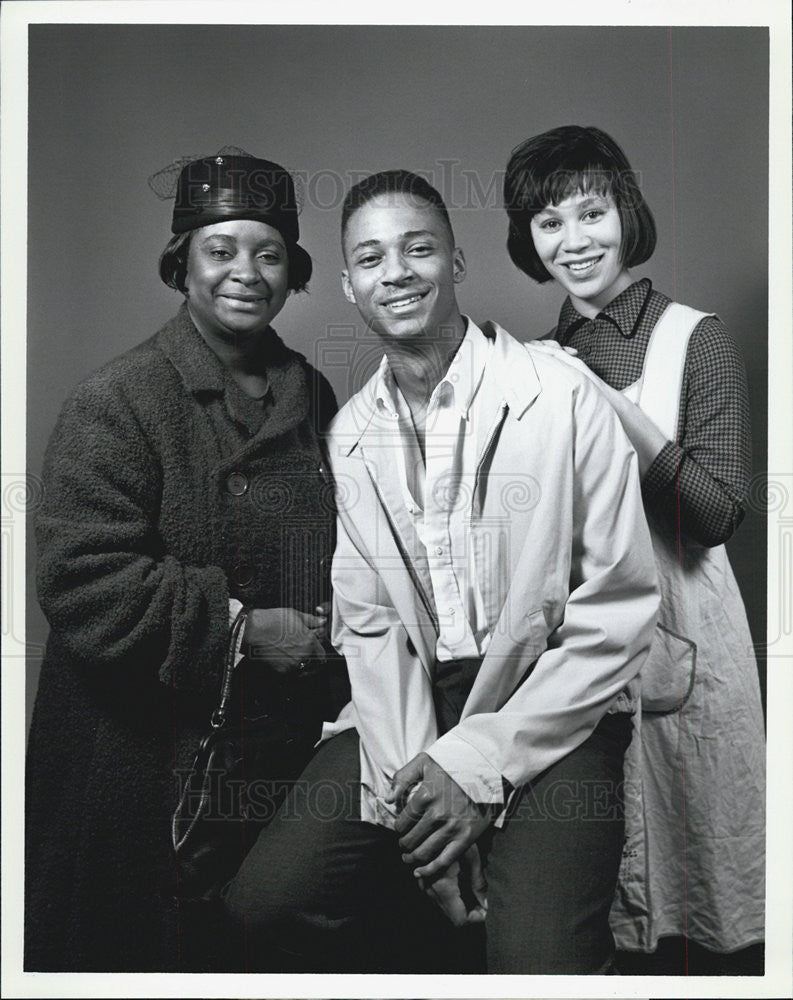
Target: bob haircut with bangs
<point>550,167</point>
<point>173,264</point>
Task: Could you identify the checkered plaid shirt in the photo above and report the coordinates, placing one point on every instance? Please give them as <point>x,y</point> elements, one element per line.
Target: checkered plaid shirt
<point>703,477</point>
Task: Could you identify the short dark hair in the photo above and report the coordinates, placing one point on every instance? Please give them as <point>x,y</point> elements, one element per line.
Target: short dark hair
<point>173,263</point>
<point>548,168</point>
<point>392,182</point>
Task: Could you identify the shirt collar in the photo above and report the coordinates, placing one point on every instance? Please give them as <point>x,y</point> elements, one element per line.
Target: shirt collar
<point>624,312</point>
<point>462,378</point>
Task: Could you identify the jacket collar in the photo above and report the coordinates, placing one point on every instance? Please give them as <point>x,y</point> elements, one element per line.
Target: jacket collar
<point>199,367</point>
<point>624,312</point>
<point>202,372</point>
<point>513,374</point>
<point>187,351</point>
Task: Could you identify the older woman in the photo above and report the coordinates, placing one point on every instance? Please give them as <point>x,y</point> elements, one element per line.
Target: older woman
<point>183,481</point>
<point>694,859</point>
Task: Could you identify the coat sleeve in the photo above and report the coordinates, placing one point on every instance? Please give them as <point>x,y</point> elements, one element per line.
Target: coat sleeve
<point>116,599</point>
<point>605,634</point>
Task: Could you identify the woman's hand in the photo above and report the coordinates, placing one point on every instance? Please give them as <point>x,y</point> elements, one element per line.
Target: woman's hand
<point>284,639</point>
<point>569,355</point>
<point>553,347</point>
<point>641,431</point>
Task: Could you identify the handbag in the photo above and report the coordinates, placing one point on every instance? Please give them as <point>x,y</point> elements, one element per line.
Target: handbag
<point>261,736</point>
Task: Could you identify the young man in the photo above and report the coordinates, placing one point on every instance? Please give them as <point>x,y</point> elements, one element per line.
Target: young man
<point>494,597</point>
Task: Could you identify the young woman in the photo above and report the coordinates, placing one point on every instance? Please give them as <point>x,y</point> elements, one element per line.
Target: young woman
<point>693,863</point>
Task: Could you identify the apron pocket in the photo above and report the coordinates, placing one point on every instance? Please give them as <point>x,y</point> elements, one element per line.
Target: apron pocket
<point>667,677</point>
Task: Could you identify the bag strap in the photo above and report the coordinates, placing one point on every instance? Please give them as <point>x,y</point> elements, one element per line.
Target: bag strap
<point>183,821</point>
<point>219,715</point>
<point>664,361</point>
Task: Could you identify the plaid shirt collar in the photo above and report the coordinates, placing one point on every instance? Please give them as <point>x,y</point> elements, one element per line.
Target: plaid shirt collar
<point>624,312</point>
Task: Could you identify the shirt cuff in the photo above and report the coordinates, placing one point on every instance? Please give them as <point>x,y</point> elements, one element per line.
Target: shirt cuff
<point>235,607</point>
<point>663,470</point>
<point>466,766</point>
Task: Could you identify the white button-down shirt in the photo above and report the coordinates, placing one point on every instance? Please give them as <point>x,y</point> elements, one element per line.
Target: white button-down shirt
<point>437,490</point>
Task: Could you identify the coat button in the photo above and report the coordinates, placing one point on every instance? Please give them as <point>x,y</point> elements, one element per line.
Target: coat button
<point>237,484</point>
<point>244,574</point>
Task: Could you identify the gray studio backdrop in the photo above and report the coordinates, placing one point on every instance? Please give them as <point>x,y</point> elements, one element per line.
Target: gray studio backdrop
<point>111,105</point>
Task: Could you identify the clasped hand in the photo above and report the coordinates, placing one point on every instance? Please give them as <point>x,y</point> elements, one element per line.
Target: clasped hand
<point>438,825</point>
<point>460,891</point>
<point>285,639</point>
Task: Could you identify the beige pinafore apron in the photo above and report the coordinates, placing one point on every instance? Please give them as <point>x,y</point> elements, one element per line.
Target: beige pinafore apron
<point>694,857</point>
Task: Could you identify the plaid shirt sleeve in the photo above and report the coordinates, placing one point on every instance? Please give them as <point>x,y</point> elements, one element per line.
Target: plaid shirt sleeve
<point>702,479</point>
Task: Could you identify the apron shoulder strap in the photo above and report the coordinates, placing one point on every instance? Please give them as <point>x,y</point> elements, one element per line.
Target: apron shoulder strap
<point>662,375</point>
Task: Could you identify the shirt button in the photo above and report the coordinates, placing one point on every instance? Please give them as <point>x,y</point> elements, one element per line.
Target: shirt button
<point>438,551</point>
<point>237,484</point>
<point>451,611</point>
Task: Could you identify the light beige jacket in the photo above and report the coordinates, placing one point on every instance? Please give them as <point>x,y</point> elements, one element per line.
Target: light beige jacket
<point>564,563</point>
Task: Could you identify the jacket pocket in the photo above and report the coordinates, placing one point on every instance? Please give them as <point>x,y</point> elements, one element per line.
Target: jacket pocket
<point>536,639</point>
<point>667,677</point>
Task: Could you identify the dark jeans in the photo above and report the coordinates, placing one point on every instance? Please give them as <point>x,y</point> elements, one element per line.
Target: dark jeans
<point>332,890</point>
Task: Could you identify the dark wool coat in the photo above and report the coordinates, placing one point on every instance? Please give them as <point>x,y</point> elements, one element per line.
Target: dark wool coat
<point>166,492</point>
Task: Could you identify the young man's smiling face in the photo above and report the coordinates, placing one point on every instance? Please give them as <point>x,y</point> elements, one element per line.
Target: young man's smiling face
<point>402,267</point>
